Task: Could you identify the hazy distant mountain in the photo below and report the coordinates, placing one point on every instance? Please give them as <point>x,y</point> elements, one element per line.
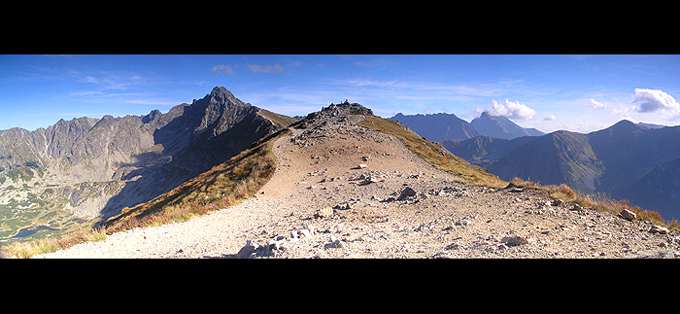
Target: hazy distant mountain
<point>501,127</point>
<point>438,127</point>
<point>651,125</point>
<point>625,160</point>
<point>442,126</point>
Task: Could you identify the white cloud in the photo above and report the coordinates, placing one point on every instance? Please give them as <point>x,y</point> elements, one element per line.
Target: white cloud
<point>222,68</point>
<point>550,118</point>
<point>152,101</point>
<point>513,110</point>
<point>597,104</point>
<point>266,68</point>
<point>651,100</point>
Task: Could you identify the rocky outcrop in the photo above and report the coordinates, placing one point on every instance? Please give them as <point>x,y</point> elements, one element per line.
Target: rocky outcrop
<point>342,111</point>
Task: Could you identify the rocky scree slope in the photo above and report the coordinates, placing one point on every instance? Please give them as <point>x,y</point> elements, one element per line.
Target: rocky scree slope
<point>341,190</point>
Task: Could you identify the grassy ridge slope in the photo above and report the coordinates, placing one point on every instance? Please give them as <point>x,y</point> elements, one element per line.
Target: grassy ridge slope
<point>434,153</point>
<point>222,186</point>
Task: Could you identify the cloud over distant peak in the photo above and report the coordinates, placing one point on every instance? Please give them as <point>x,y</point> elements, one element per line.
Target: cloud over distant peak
<point>266,68</point>
<point>255,68</point>
<point>222,68</point>
<point>511,110</point>
<point>651,100</point>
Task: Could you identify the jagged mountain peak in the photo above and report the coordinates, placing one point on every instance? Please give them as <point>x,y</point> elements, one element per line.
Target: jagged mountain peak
<point>152,116</point>
<point>221,95</point>
<point>219,111</point>
<point>501,127</point>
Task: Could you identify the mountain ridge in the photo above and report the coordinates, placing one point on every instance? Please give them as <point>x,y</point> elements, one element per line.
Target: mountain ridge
<point>93,168</point>
<point>615,160</point>
<point>444,126</point>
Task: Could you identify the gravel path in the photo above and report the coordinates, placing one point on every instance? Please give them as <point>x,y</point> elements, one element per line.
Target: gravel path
<point>375,216</point>
<point>205,236</point>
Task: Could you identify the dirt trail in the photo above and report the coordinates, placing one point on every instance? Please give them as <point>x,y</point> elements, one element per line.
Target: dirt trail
<point>398,206</point>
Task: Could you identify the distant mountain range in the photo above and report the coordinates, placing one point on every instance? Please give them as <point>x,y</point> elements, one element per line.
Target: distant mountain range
<point>443,126</point>
<point>637,162</point>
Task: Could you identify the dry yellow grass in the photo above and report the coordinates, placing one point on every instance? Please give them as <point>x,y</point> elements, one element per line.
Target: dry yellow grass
<point>599,201</point>
<point>222,186</point>
<point>435,154</point>
<point>49,245</point>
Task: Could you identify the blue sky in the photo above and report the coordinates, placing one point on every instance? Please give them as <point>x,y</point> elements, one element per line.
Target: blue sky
<point>550,92</point>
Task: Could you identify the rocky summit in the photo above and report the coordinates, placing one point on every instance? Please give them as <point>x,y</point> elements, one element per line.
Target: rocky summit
<point>343,189</point>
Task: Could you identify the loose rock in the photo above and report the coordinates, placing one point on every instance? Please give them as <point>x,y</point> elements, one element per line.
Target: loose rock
<point>247,250</point>
<point>462,222</point>
<point>578,208</point>
<point>335,244</point>
<point>406,193</point>
<point>628,214</point>
<point>557,202</point>
<point>514,240</point>
<point>369,180</point>
<point>659,229</point>
<point>343,206</point>
<point>325,212</point>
